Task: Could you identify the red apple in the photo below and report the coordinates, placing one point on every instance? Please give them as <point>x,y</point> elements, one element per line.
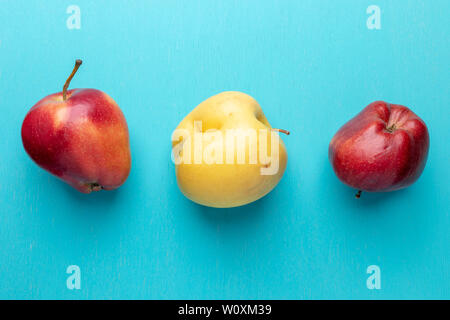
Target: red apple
<point>80,136</point>
<point>383,148</point>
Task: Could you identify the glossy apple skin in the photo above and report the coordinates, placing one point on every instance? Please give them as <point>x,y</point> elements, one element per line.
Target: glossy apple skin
<point>383,148</point>
<point>83,140</point>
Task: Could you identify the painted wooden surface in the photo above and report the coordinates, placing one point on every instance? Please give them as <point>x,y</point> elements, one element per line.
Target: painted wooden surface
<point>311,65</point>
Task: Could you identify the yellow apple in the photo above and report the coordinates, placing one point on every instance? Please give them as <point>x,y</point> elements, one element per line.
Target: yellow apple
<point>226,153</point>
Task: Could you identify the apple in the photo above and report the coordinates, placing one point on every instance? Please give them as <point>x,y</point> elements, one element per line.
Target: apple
<point>80,136</point>
<point>226,153</point>
<point>383,148</point>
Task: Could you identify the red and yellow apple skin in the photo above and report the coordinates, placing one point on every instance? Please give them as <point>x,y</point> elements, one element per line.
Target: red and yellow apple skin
<point>82,140</point>
<point>383,148</point>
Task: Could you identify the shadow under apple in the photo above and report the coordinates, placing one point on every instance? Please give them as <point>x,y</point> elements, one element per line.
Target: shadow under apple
<point>99,204</point>
<point>243,216</point>
<point>368,202</point>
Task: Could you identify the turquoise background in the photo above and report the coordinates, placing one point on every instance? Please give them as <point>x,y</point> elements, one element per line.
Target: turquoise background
<point>312,65</point>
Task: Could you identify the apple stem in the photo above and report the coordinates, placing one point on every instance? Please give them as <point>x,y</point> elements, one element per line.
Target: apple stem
<point>283,131</point>
<point>391,128</point>
<point>78,63</point>
<point>358,194</point>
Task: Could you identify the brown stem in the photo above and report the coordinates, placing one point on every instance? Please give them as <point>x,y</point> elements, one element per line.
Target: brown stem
<point>78,63</point>
<point>358,194</point>
<point>391,128</point>
<point>282,130</point>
